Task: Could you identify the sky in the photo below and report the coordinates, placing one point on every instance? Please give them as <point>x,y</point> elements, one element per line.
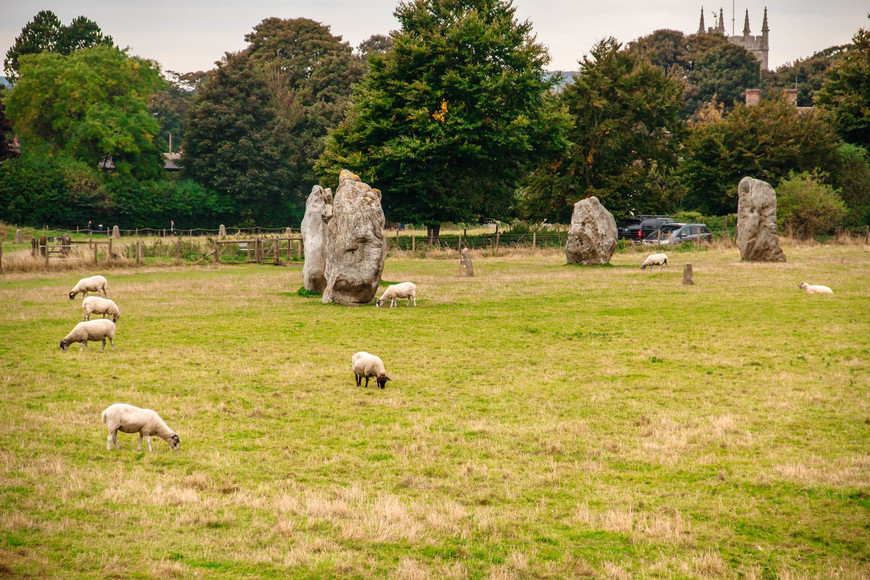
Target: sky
<point>190,35</point>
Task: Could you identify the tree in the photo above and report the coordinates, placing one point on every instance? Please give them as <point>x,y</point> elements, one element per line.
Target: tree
<point>91,105</point>
<point>5,131</point>
<point>449,121</point>
<point>852,177</point>
<point>170,108</point>
<point>624,138</point>
<point>767,141</point>
<point>375,44</point>
<point>301,79</point>
<point>806,207</point>
<point>845,96</point>
<point>806,75</point>
<point>46,33</point>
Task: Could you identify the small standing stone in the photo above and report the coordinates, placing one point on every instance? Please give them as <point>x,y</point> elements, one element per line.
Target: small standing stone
<point>465,266</point>
<point>688,279</point>
<point>19,239</point>
<point>116,232</point>
<point>223,231</point>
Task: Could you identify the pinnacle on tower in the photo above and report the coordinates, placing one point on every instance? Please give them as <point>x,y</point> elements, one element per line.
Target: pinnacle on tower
<point>746,24</point>
<point>701,27</point>
<point>721,22</point>
<point>764,28</point>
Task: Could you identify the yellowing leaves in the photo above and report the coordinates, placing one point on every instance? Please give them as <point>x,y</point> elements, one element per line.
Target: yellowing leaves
<point>439,115</point>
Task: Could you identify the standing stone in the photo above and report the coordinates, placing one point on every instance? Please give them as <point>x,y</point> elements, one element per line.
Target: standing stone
<point>688,278</point>
<point>318,212</point>
<point>756,222</point>
<point>592,237</point>
<point>222,232</point>
<point>19,239</point>
<point>465,266</point>
<point>116,233</point>
<point>288,231</point>
<point>356,246</point>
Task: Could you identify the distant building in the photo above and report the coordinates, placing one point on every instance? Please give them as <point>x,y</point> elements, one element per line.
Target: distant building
<point>759,46</point>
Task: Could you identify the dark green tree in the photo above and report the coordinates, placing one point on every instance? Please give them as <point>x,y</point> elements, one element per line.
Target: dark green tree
<point>236,141</point>
<point>91,105</point>
<point>624,138</point>
<point>46,33</point>
<point>845,96</point>
<point>375,44</point>
<point>806,75</point>
<point>767,142</point>
<point>449,121</point>
<point>170,108</point>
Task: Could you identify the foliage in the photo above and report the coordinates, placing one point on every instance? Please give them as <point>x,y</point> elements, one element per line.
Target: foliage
<point>806,207</point>
<point>91,105</point>
<point>46,33</point>
<point>5,130</point>
<point>170,108</point>
<point>851,176</point>
<point>375,44</point>
<point>624,139</point>
<point>846,92</point>
<point>767,142</point>
<point>448,121</point>
<point>807,75</point>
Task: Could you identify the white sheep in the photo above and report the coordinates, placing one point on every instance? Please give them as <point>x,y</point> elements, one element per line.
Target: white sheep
<point>129,419</point>
<point>104,306</point>
<point>368,365</point>
<point>100,329</point>
<point>393,293</point>
<point>811,289</point>
<point>92,284</point>
<point>660,260</point>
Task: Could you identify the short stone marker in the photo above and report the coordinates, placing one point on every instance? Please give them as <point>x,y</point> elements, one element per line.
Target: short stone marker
<point>19,239</point>
<point>465,266</point>
<point>688,279</point>
<point>116,233</point>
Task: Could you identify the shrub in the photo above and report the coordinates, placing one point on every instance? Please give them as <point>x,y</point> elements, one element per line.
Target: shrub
<point>807,207</point>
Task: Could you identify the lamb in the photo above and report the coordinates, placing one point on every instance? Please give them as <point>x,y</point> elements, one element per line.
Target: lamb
<point>660,260</point>
<point>92,284</point>
<point>393,293</point>
<point>100,329</point>
<point>815,289</point>
<point>104,306</point>
<point>130,419</point>
<point>368,365</point>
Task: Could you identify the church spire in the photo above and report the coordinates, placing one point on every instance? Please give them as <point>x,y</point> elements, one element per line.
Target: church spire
<point>764,28</point>
<point>746,24</point>
<point>701,27</point>
<point>721,22</point>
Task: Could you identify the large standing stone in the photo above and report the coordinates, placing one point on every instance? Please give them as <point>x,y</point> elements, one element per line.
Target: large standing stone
<point>318,212</point>
<point>356,247</point>
<point>465,266</point>
<point>592,237</point>
<point>756,222</point>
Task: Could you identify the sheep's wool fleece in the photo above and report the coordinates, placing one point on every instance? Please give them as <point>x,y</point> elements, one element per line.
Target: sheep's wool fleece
<point>756,222</point>
<point>356,247</point>
<point>318,212</point>
<point>592,238</point>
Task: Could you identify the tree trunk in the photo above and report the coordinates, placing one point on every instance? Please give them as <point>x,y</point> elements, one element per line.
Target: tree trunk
<point>433,231</point>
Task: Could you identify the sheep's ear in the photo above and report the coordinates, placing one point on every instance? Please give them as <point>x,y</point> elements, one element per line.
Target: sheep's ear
<point>386,378</point>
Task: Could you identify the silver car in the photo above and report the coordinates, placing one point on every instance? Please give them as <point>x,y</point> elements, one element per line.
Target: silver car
<point>676,233</point>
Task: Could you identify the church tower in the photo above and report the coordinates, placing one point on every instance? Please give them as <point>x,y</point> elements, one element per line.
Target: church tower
<point>759,46</point>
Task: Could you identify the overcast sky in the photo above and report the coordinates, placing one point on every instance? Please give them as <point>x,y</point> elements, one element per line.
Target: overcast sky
<point>190,35</point>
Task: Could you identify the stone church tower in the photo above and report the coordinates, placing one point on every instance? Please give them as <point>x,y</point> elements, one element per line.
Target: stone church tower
<point>757,45</point>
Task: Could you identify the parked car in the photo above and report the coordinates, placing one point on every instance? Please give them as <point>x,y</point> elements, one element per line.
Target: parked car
<point>647,225</point>
<point>672,234</point>
<point>623,225</point>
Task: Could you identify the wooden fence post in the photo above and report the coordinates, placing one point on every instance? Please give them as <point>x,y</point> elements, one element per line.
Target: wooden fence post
<point>496,240</point>
<point>298,249</point>
<point>459,245</point>
<point>217,252</point>
<point>534,239</point>
<point>178,248</point>
<point>138,252</point>
<point>109,253</point>
<point>278,250</point>
<point>1,255</point>
<point>414,245</point>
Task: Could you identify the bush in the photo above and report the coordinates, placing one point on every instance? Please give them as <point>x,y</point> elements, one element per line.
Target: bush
<point>806,207</point>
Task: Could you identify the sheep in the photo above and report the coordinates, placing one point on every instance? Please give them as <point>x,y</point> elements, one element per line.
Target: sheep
<point>368,365</point>
<point>92,284</point>
<point>99,329</point>
<point>130,419</point>
<point>815,289</point>
<point>660,260</point>
<point>393,293</point>
<point>104,306</point>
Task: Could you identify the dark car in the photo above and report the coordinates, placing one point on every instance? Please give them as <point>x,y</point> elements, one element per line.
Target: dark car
<point>623,225</point>
<point>647,225</point>
<point>672,234</point>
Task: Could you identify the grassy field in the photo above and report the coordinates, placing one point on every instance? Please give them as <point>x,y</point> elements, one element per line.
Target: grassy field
<point>544,421</point>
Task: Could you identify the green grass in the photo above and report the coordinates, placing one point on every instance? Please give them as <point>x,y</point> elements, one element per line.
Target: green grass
<point>543,421</point>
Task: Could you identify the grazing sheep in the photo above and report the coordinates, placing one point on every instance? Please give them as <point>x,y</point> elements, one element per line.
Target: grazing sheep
<point>99,329</point>
<point>104,306</point>
<point>130,419</point>
<point>368,365</point>
<point>660,260</point>
<point>811,289</point>
<point>92,284</point>
<point>393,293</point>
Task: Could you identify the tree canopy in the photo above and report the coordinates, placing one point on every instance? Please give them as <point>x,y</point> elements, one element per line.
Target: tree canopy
<point>448,121</point>
<point>46,33</point>
<point>624,138</point>
<point>91,105</point>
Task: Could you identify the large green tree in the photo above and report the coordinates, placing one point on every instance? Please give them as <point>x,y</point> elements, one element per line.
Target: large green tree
<point>767,141</point>
<point>91,105</point>
<point>46,33</point>
<point>806,75</point>
<point>845,96</point>
<point>624,138</point>
<point>170,108</point>
<point>449,120</point>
